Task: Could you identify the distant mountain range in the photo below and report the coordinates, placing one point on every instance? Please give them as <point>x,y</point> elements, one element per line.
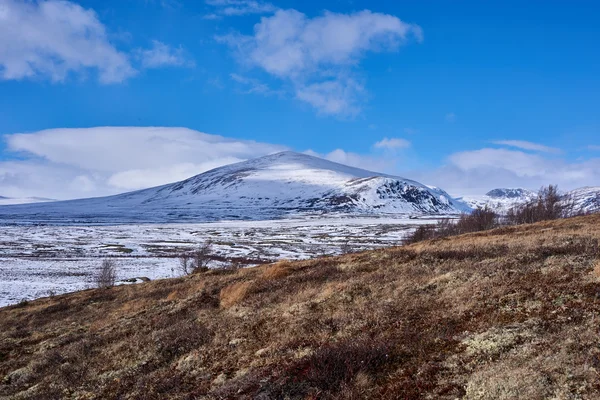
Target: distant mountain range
<point>274,186</point>
<point>586,199</point>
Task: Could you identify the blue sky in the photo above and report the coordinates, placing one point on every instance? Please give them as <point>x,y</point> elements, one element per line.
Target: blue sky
<point>465,95</point>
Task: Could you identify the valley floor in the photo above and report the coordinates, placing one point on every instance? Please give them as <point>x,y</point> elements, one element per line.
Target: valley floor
<point>40,260</point>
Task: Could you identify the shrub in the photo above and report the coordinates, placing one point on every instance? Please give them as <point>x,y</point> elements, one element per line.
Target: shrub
<point>197,260</point>
<point>481,219</point>
<point>423,232</point>
<point>550,204</point>
<point>348,248</point>
<point>106,275</point>
<point>334,365</point>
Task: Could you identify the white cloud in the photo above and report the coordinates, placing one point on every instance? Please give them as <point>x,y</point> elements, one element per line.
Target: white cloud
<point>521,144</point>
<point>450,117</point>
<point>365,161</point>
<point>517,162</point>
<point>318,55</point>
<point>69,163</point>
<point>241,7</point>
<point>334,97</point>
<point>392,144</point>
<point>51,39</point>
<point>254,85</point>
<point>478,171</point>
<point>212,17</point>
<point>593,147</point>
<point>162,55</point>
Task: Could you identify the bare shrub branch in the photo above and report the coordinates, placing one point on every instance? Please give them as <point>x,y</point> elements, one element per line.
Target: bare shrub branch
<point>549,205</point>
<point>197,260</point>
<point>106,275</point>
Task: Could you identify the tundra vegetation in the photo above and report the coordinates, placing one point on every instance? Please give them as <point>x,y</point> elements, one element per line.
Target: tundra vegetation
<point>505,313</point>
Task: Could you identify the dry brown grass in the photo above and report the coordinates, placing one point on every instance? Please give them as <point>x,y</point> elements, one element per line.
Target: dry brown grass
<point>234,293</point>
<point>278,270</point>
<point>596,271</point>
<point>503,314</point>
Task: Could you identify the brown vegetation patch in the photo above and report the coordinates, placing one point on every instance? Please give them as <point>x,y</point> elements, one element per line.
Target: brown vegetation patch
<point>501,314</point>
<point>278,270</point>
<point>234,293</point>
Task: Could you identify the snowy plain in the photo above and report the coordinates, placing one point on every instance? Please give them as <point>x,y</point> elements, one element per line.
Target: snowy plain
<point>43,260</point>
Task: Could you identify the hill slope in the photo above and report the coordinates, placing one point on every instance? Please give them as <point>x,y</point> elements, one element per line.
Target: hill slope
<point>264,188</point>
<point>504,314</point>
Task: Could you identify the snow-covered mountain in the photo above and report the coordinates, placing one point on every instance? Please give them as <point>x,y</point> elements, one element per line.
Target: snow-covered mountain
<point>269,187</point>
<point>22,200</point>
<point>583,200</point>
<point>586,199</point>
<point>500,200</point>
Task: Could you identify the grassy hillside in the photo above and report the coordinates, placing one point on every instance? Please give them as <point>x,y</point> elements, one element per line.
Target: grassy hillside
<point>511,313</point>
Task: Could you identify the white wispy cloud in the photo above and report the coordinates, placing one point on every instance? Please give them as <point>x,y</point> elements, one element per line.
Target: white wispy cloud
<point>69,163</point>
<point>450,117</point>
<point>241,7</point>
<point>593,147</point>
<point>319,55</point>
<point>51,39</point>
<point>333,97</point>
<point>253,85</point>
<point>477,171</point>
<point>522,144</point>
<point>392,144</point>
<point>370,162</point>
<point>162,55</point>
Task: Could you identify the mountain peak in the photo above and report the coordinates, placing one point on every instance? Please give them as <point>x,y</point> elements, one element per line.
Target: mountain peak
<point>509,193</point>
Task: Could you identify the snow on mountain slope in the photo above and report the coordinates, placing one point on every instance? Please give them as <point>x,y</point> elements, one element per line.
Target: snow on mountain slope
<point>264,188</point>
<point>583,200</point>
<point>500,200</point>
<point>586,199</point>
<point>22,200</point>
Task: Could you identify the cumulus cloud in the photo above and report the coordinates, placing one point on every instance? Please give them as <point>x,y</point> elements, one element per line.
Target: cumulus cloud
<point>392,144</point>
<point>162,55</point>
<point>69,163</point>
<point>241,7</point>
<point>318,55</point>
<point>55,38</point>
<point>522,144</point>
